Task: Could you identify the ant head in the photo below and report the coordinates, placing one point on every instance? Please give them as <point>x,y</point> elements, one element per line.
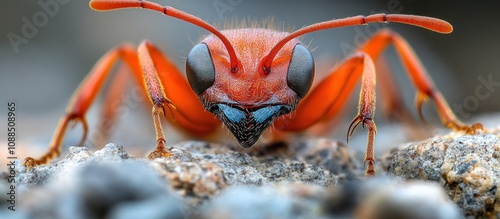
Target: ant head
<point>249,99</point>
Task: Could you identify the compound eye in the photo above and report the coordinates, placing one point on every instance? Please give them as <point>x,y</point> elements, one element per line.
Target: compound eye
<point>300,70</point>
<point>200,68</point>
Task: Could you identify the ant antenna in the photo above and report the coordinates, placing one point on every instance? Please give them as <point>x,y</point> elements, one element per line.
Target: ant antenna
<point>106,5</point>
<point>429,23</point>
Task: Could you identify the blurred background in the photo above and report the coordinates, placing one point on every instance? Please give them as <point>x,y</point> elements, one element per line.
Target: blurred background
<point>40,67</point>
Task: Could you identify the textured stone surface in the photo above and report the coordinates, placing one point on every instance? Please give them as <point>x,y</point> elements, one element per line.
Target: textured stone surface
<point>467,166</point>
<point>307,179</point>
<point>386,198</point>
<point>104,184</point>
<point>281,200</point>
<point>376,198</point>
<point>110,183</point>
<point>390,198</point>
<point>199,170</point>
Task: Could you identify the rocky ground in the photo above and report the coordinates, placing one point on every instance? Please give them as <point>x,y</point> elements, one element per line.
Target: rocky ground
<point>450,176</point>
<point>466,166</point>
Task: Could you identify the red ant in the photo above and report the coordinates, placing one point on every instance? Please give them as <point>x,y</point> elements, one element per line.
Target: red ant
<point>249,78</point>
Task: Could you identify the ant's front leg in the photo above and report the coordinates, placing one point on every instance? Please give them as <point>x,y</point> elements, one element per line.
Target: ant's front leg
<point>326,100</point>
<point>172,97</point>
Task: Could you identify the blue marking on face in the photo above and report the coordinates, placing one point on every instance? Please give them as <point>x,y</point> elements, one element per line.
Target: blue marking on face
<point>232,114</point>
<point>261,115</point>
<point>247,125</point>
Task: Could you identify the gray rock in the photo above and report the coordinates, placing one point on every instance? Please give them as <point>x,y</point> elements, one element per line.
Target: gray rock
<point>376,198</point>
<point>105,184</point>
<point>200,170</point>
<point>113,184</point>
<point>306,179</point>
<point>467,166</point>
<point>281,200</point>
<point>76,157</point>
<point>385,198</point>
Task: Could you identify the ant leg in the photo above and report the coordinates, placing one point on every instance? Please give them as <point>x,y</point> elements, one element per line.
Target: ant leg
<point>366,112</point>
<point>331,94</point>
<point>392,103</point>
<point>168,90</point>
<point>112,105</point>
<point>81,100</point>
<point>425,87</point>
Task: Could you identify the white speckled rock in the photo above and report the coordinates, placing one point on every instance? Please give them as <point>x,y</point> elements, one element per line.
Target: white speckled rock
<point>467,166</point>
